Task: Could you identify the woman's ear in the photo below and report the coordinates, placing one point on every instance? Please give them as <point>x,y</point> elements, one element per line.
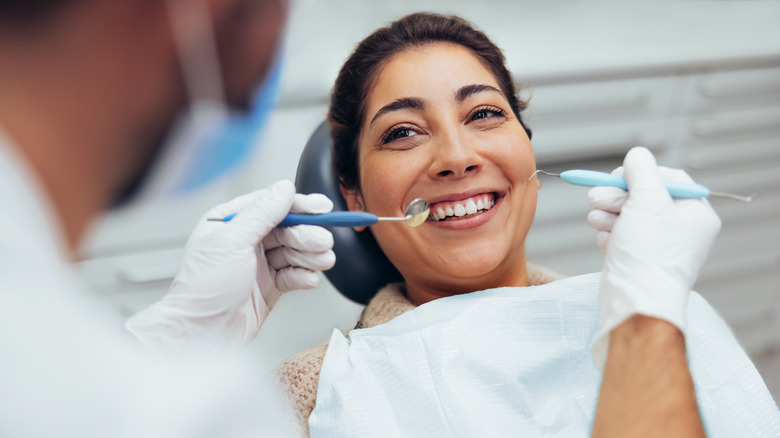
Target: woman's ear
<point>354,201</point>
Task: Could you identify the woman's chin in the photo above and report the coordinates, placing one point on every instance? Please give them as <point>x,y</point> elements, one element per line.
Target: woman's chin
<point>473,272</point>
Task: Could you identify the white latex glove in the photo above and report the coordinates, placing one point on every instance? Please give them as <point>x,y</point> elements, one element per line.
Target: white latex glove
<point>234,272</point>
<point>654,246</point>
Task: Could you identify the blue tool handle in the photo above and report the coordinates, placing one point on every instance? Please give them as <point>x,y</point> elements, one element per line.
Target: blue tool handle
<point>591,178</point>
<point>334,219</point>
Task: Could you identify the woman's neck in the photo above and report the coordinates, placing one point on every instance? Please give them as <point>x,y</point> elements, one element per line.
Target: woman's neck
<point>420,291</point>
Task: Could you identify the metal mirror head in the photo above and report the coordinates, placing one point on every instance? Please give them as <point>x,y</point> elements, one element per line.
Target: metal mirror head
<point>417,212</point>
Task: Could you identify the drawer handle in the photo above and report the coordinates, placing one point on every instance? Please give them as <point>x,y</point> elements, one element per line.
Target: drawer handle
<point>607,143</point>
<point>724,90</point>
<point>719,127</point>
<point>636,101</point>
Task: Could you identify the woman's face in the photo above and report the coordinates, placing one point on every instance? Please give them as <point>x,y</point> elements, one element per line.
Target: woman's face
<point>438,127</point>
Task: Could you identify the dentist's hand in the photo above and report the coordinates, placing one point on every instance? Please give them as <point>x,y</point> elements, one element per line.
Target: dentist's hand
<point>654,245</point>
<point>234,272</point>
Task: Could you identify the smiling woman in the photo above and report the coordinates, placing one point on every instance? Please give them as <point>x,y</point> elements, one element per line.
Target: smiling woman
<point>446,134</point>
<point>425,108</point>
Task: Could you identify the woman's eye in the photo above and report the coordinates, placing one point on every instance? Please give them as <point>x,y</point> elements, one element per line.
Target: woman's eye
<point>398,133</point>
<point>486,113</point>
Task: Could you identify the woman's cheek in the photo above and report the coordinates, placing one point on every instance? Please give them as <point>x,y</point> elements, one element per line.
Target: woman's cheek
<point>383,180</point>
<point>522,155</point>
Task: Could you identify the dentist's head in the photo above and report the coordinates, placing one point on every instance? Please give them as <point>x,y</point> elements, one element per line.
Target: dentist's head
<point>93,90</point>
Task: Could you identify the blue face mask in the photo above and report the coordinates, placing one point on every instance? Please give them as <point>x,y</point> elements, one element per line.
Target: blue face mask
<point>232,144</point>
<point>210,141</point>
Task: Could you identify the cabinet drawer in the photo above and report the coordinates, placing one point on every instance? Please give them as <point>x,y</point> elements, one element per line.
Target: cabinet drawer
<point>597,141</point>
<point>751,307</point>
<point>765,208</point>
<point>726,154</point>
<point>586,103</point>
<point>762,178</point>
<point>753,123</point>
<point>727,90</point>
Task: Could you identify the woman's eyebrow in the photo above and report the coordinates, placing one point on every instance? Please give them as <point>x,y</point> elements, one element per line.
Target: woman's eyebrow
<point>468,90</point>
<point>413,103</point>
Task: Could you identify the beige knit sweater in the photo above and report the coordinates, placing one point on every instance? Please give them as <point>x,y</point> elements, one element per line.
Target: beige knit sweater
<point>300,373</point>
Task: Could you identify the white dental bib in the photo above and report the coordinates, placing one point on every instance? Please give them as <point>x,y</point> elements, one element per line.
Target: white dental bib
<point>513,362</point>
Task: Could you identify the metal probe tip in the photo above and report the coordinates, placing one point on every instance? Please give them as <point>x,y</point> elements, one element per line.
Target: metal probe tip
<point>734,196</point>
<point>544,172</point>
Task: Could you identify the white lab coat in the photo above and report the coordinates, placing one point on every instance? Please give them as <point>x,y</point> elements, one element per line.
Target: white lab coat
<point>66,369</point>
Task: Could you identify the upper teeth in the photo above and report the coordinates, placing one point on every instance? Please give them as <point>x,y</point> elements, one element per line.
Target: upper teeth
<point>462,208</point>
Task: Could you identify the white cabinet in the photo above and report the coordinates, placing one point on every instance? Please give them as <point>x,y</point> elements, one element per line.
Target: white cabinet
<point>722,127</point>
<point>730,138</point>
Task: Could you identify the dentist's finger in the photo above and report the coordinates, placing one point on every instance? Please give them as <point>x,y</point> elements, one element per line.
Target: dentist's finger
<point>643,177</point>
<point>609,199</point>
<point>296,279</point>
<point>676,175</point>
<point>263,214</point>
<point>315,203</point>
<point>283,257</point>
<point>602,240</point>
<point>301,237</point>
<point>601,220</point>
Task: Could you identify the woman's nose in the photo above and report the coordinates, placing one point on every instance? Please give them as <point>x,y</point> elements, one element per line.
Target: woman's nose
<point>455,156</point>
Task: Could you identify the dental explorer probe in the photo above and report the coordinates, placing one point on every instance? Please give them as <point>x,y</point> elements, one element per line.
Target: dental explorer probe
<point>592,178</point>
<point>416,213</point>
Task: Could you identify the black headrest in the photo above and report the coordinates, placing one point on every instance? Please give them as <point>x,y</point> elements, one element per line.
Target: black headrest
<point>361,266</point>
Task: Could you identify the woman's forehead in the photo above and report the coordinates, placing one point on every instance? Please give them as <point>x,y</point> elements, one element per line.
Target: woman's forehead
<point>435,72</point>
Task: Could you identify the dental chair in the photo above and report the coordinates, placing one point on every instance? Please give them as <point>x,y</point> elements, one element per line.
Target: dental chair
<point>361,267</point>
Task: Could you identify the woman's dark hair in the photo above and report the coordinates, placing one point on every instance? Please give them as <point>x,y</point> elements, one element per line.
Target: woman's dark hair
<point>357,76</point>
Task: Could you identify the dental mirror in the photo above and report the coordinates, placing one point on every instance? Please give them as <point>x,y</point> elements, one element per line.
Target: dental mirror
<point>417,212</point>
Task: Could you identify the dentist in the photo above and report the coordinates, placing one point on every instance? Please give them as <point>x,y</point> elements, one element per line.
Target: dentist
<point>102,104</point>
